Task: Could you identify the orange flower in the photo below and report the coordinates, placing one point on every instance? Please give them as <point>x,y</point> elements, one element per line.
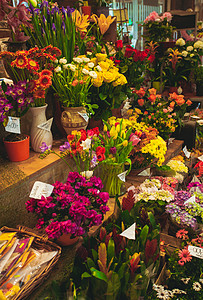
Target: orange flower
<point>33,65</point>
<point>172,104</point>
<point>173,96</point>
<point>20,62</point>
<point>52,50</point>
<point>46,72</point>
<point>152,91</point>
<point>45,81</point>
<point>189,102</point>
<point>140,102</point>
<point>140,92</point>
<point>152,98</point>
<point>39,93</point>
<point>180,101</point>
<point>32,85</point>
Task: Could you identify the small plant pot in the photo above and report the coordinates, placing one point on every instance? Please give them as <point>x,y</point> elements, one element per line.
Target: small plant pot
<point>86,10</point>
<point>19,150</point>
<point>65,240</point>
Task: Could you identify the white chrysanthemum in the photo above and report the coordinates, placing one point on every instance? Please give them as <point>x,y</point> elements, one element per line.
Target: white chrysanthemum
<point>90,65</point>
<point>85,71</point>
<point>157,287</point>
<point>85,59</point>
<point>72,67</point>
<point>66,66</point>
<point>87,174</point>
<point>197,286</point>
<point>177,291</point>
<point>180,42</point>
<point>63,61</point>
<point>189,48</point>
<point>57,69</point>
<point>184,53</point>
<point>162,294</point>
<point>198,44</point>
<point>77,60</point>
<point>201,280</point>
<point>93,74</point>
<point>98,68</point>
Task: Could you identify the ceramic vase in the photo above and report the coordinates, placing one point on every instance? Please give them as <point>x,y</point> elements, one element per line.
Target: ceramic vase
<point>73,118</point>
<point>38,135</point>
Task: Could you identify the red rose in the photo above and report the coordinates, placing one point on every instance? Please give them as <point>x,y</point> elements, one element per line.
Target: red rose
<point>117,62</point>
<point>83,135</point>
<point>140,92</point>
<point>119,44</point>
<point>70,137</point>
<point>143,55</point>
<point>96,131</point>
<point>129,51</point>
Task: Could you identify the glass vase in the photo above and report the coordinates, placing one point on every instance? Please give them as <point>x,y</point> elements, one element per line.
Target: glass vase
<point>109,175</point>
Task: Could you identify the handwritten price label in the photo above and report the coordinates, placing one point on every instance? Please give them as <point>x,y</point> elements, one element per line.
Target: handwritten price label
<point>46,125</point>
<point>121,176</point>
<point>84,116</point>
<point>196,251</point>
<point>13,125</point>
<point>40,189</point>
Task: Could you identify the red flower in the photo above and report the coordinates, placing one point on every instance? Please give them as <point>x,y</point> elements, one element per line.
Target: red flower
<point>96,131</point>
<point>100,149</point>
<point>39,93</point>
<point>70,137</point>
<point>151,58</point>
<point>20,62</point>
<point>140,102</point>
<point>129,51</point>
<point>199,165</point>
<point>119,44</point>
<point>46,72</point>
<point>117,62</point>
<point>134,263</point>
<point>182,234</point>
<point>143,55</point>
<point>45,81</point>
<point>184,255</point>
<point>32,85</point>
<point>128,202</point>
<point>152,98</point>
<point>32,65</point>
<point>140,92</point>
<point>83,135</point>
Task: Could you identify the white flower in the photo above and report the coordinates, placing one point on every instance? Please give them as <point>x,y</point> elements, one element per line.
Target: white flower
<point>87,174</point>
<point>56,61</point>
<point>162,294</point>
<point>201,280</point>
<point>177,291</point>
<point>90,65</point>
<point>89,53</point>
<point>189,48</point>
<point>184,53</point>
<point>72,67</point>
<point>85,71</point>
<point>86,144</point>
<point>63,61</point>
<point>93,74</point>
<point>85,59</point>
<point>57,69</point>
<point>77,60</point>
<point>198,44</point>
<point>157,287</point>
<point>197,286</point>
<point>66,66</point>
<point>180,42</point>
<point>185,280</point>
<point>98,68</point>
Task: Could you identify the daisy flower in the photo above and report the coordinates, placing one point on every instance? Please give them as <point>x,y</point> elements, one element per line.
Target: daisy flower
<point>197,286</point>
<point>162,294</point>
<point>185,280</point>
<point>185,255</point>
<point>182,234</point>
<point>45,81</point>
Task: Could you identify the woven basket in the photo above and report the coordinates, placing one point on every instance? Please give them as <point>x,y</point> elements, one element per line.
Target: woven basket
<point>39,243</point>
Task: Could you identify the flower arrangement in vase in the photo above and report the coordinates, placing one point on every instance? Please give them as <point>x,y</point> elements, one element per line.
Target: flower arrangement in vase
<point>155,112</point>
<point>72,82</point>
<point>35,66</point>
<point>73,207</point>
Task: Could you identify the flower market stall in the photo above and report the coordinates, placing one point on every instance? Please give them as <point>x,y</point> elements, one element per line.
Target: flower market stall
<point>116,208</point>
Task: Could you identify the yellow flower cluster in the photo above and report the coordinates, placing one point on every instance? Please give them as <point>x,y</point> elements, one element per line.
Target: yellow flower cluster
<point>129,123</point>
<point>116,129</point>
<point>177,166</point>
<point>156,148</point>
<point>106,71</point>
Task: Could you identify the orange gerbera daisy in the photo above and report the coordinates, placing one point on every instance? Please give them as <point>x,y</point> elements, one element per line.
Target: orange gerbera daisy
<point>20,62</point>
<point>45,81</point>
<point>33,50</point>
<point>33,65</point>
<point>6,53</point>
<point>52,50</point>
<point>184,255</point>
<point>39,93</point>
<point>32,85</point>
<point>46,72</point>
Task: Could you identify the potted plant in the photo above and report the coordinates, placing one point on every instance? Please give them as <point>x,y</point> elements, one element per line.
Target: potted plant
<point>35,66</point>
<point>72,209</point>
<point>199,80</point>
<point>15,102</point>
<point>72,83</point>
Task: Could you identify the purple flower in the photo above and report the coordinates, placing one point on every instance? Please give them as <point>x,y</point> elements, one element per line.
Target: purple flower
<point>44,147</point>
<point>70,10</point>
<point>104,208</point>
<point>63,27</point>
<point>113,150</point>
<point>53,27</point>
<point>44,19</point>
<point>93,162</point>
<point>64,147</point>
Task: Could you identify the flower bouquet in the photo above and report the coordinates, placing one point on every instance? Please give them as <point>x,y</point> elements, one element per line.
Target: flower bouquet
<point>132,63</point>
<point>157,28</point>
<point>155,111</point>
<point>72,208</point>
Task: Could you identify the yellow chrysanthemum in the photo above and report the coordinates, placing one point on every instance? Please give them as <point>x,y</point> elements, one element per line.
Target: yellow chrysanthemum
<point>101,57</point>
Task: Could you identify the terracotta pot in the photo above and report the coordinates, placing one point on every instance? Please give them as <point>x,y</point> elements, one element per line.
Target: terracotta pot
<point>18,151</point>
<point>72,120</point>
<point>38,135</point>
<point>86,10</point>
<point>65,240</point>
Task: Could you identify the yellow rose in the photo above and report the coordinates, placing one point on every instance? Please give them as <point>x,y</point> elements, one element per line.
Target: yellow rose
<point>104,65</point>
<point>110,62</point>
<point>120,80</point>
<point>115,69</point>
<point>108,76</point>
<point>101,57</point>
<point>99,80</point>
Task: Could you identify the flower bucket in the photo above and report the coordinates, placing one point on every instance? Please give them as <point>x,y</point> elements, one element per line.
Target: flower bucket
<point>65,240</point>
<point>109,175</point>
<point>19,150</point>
<point>86,10</point>
<point>71,119</point>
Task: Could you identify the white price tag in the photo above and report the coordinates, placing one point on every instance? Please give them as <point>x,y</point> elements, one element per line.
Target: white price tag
<point>145,172</point>
<point>40,189</point>
<point>121,176</point>
<point>13,125</point>
<point>190,200</point>
<point>46,125</point>
<point>200,157</point>
<point>130,232</point>
<point>195,179</point>
<point>84,116</point>
<point>196,251</point>
<point>186,152</point>
<point>170,141</point>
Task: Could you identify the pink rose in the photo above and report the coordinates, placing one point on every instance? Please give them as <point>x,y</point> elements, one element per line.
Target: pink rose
<point>167,15</point>
<point>134,139</point>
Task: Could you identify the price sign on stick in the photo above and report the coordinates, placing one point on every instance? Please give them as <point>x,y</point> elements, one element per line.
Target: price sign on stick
<point>40,189</point>
<point>13,125</point>
<point>130,232</point>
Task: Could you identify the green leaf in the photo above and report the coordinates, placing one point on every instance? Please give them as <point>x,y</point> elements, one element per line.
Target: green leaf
<point>110,250</point>
<point>143,234</point>
<point>86,275</point>
<point>113,287</point>
<point>95,255</point>
<point>102,96</point>
<point>124,69</point>
<point>4,86</point>
<point>99,275</point>
<point>90,263</point>
<point>152,219</point>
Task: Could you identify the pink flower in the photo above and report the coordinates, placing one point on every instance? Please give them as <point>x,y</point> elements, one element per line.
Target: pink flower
<point>153,16</point>
<point>165,110</point>
<point>181,262</point>
<point>169,116</point>
<point>166,15</point>
<point>134,139</point>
